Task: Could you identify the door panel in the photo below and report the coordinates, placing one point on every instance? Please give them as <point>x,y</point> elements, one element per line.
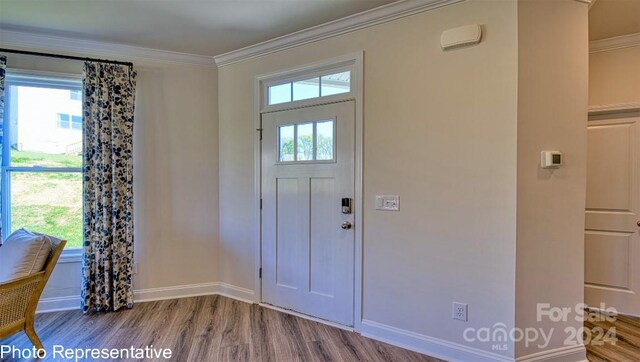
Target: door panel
<point>609,167</point>
<point>612,250</point>
<point>322,229</point>
<point>289,229</point>
<point>600,250</point>
<point>307,168</point>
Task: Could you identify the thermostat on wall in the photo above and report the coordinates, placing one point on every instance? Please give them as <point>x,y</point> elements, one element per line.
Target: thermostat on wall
<point>551,159</point>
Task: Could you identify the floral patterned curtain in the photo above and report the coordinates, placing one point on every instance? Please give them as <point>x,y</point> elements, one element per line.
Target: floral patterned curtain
<point>109,95</point>
<point>3,68</point>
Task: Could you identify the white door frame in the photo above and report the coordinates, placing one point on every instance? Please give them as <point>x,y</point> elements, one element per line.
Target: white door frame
<point>355,63</point>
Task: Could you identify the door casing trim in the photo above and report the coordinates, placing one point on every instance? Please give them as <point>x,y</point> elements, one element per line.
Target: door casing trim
<point>357,61</point>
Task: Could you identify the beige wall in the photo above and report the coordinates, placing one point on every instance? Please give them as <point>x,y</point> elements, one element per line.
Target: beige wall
<point>440,131</point>
<point>552,115</point>
<point>175,175</point>
<point>614,77</point>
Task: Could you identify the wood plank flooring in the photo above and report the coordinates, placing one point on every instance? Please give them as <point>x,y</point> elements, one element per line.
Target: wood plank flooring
<point>216,328</point>
<point>211,328</point>
<point>625,349</point>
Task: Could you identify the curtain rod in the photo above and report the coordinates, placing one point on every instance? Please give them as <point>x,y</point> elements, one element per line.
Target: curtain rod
<point>129,64</point>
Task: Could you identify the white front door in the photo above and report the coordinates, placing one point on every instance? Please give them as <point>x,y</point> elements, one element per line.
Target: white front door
<point>612,238</point>
<point>307,240</point>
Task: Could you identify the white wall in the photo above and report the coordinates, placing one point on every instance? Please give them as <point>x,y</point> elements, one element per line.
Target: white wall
<point>474,121</point>
<point>175,178</point>
<point>552,115</point>
<point>454,112</point>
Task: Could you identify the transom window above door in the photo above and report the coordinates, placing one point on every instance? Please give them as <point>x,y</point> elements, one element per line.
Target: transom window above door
<point>317,86</point>
<point>306,142</point>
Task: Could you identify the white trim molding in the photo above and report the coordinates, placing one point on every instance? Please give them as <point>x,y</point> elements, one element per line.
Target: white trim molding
<point>614,108</point>
<point>57,304</point>
<point>235,292</point>
<point>83,47</point>
<point>375,16</point>
<point>618,42</point>
<point>173,292</point>
<point>431,346</point>
<point>575,353</point>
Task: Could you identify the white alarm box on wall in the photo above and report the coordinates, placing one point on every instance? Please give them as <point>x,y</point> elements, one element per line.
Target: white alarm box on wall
<point>461,36</point>
<point>551,159</point>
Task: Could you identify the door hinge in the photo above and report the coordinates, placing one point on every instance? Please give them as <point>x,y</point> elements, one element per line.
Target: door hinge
<point>260,273</point>
<point>260,130</point>
<point>260,204</point>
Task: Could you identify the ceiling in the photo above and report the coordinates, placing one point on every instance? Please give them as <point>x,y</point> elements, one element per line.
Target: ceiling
<point>207,27</point>
<point>610,18</point>
<point>212,27</point>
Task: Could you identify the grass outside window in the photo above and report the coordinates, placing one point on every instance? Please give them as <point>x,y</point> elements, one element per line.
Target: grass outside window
<point>47,202</point>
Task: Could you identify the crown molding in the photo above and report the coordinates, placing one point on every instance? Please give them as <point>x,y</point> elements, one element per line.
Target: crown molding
<point>618,42</point>
<point>83,48</point>
<point>375,16</point>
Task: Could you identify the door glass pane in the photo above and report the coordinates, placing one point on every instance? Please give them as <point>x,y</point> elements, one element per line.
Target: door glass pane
<point>305,89</point>
<point>324,140</point>
<point>45,127</point>
<point>48,203</point>
<point>280,93</point>
<point>336,83</point>
<point>304,147</point>
<point>285,143</point>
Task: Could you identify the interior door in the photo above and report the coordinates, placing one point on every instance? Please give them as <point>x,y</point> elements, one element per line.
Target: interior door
<point>612,239</point>
<point>307,240</point>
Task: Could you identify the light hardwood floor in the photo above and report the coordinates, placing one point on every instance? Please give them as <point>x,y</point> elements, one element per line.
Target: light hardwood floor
<point>212,328</point>
<point>625,349</point>
<point>215,328</point>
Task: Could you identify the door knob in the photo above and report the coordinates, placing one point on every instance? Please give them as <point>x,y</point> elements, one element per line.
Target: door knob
<point>638,223</point>
<point>346,225</point>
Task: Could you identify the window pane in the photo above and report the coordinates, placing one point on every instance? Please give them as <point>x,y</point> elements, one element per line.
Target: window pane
<point>336,83</point>
<point>285,143</point>
<point>48,203</point>
<point>304,147</point>
<point>305,89</point>
<point>75,95</point>
<point>280,93</point>
<point>324,140</point>
<point>40,132</point>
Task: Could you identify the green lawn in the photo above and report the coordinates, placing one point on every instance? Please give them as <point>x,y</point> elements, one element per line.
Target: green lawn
<point>31,158</point>
<point>47,202</point>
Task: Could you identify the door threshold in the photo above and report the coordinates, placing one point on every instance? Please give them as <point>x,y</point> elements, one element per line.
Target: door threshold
<point>309,317</point>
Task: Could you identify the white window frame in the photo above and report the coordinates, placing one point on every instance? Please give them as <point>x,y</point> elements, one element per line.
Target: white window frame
<point>304,74</point>
<point>295,141</point>
<point>20,77</point>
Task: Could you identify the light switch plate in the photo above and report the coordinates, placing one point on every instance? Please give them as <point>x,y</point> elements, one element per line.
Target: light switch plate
<point>388,202</point>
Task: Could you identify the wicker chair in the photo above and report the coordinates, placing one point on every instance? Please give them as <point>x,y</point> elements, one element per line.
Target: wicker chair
<point>19,299</point>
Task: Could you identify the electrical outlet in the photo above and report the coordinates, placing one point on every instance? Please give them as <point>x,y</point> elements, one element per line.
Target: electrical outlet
<point>459,311</point>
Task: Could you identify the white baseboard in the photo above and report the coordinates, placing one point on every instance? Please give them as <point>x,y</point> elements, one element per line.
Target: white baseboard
<point>58,304</point>
<point>174,292</point>
<point>147,295</point>
<point>563,354</point>
<point>427,345</point>
<point>232,291</point>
